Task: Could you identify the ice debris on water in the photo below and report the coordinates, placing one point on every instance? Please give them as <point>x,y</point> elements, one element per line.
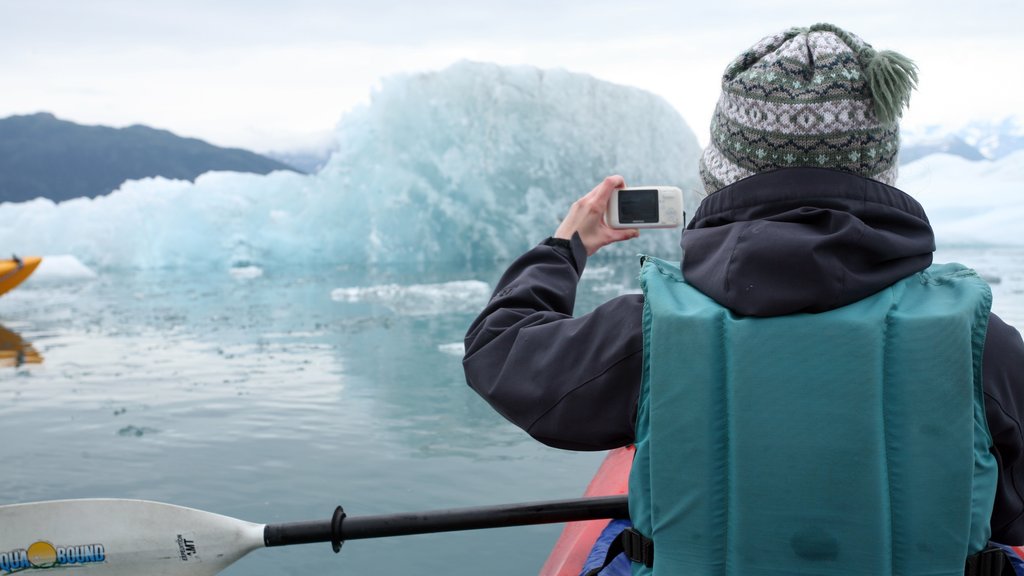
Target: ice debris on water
<point>453,348</point>
<point>463,296</point>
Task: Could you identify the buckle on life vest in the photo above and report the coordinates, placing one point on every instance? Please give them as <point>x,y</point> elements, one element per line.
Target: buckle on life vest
<point>991,561</point>
<point>638,548</point>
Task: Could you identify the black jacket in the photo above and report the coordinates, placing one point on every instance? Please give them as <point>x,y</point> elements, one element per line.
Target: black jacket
<point>792,240</point>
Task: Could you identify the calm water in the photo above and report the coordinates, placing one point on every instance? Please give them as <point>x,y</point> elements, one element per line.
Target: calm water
<point>278,397</point>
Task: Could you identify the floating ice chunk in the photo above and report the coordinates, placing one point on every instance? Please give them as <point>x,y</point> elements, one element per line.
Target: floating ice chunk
<point>61,268</point>
<point>461,296</point>
<point>454,349</point>
<point>246,272</point>
<point>598,273</point>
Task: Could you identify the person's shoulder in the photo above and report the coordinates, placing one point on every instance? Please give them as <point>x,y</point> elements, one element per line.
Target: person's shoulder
<point>1003,363</point>
<point>1002,334</point>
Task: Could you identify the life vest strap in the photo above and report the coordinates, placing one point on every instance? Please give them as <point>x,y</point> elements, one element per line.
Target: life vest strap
<point>991,561</point>
<point>638,548</point>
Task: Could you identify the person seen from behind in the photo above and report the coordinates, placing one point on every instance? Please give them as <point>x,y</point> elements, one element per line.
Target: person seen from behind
<point>807,391</point>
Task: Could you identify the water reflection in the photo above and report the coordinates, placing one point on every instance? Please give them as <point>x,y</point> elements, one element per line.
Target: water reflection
<point>15,351</point>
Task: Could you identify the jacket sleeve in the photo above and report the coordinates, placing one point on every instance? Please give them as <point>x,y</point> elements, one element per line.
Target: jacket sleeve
<point>569,382</point>
<point>1003,379</point>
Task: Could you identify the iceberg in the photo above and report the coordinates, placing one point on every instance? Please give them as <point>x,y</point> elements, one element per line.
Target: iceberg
<point>474,162</point>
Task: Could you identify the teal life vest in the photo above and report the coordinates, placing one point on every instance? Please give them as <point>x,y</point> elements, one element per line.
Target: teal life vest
<point>849,442</point>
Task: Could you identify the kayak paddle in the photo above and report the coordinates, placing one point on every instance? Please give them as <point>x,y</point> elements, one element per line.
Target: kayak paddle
<point>115,537</point>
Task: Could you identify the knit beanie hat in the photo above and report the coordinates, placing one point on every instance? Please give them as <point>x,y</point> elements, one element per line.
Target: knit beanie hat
<point>817,96</point>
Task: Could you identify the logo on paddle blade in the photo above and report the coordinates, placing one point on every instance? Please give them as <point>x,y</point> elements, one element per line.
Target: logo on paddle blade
<point>43,556</point>
<point>187,548</point>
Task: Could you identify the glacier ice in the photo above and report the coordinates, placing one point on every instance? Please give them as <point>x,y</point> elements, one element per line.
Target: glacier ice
<point>476,161</point>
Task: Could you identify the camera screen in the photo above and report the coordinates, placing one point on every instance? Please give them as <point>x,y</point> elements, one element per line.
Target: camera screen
<point>638,206</point>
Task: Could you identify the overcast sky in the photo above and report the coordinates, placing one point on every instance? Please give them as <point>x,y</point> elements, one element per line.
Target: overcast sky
<point>274,75</point>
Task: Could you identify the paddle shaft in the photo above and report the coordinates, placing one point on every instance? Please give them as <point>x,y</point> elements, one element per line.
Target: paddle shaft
<point>341,528</point>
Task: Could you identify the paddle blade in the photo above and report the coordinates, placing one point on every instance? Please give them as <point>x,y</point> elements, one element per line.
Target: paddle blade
<point>121,538</point>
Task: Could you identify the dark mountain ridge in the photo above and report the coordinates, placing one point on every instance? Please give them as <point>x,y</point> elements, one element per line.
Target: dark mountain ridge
<point>41,155</point>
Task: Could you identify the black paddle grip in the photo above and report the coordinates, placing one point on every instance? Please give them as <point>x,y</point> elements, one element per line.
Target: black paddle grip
<point>341,527</point>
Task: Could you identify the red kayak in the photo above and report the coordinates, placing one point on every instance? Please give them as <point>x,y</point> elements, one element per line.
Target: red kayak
<point>577,539</point>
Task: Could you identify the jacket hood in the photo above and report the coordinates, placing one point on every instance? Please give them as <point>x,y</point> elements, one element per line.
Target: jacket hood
<point>803,240</point>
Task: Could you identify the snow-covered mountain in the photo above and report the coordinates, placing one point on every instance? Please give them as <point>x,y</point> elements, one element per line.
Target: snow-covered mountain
<point>977,140</point>
<point>970,202</point>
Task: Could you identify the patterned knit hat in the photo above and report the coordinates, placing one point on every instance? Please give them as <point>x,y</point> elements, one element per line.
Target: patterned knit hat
<point>816,96</point>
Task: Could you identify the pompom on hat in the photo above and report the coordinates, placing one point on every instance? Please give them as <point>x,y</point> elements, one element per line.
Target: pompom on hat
<point>817,96</point>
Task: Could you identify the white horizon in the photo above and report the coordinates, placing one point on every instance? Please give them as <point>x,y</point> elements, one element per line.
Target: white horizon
<point>258,76</point>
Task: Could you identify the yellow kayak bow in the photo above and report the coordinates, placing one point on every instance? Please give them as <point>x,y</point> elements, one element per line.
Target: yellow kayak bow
<point>16,270</point>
